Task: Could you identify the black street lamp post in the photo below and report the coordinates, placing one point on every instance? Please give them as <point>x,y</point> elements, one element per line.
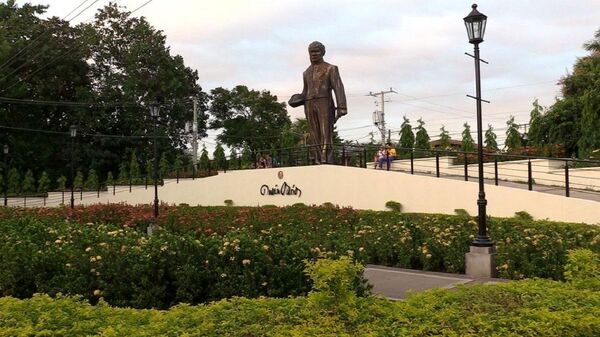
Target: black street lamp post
<point>5,175</point>
<point>154,112</point>
<point>73,134</point>
<point>475,23</point>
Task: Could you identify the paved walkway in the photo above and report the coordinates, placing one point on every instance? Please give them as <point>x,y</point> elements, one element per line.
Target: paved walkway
<point>396,283</point>
<point>556,190</point>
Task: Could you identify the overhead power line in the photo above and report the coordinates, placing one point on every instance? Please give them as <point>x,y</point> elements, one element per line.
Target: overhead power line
<point>142,6</point>
<point>60,56</point>
<point>67,133</point>
<point>35,41</point>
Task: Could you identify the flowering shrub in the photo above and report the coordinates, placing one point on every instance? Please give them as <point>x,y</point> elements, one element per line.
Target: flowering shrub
<point>200,254</point>
<point>519,308</point>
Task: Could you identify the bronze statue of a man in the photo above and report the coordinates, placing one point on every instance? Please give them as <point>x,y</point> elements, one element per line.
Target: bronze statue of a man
<point>320,79</point>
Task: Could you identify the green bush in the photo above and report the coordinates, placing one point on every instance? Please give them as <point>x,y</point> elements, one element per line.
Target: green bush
<point>393,206</point>
<point>209,253</point>
<point>583,269</point>
<point>523,308</point>
<point>523,215</point>
<point>334,285</point>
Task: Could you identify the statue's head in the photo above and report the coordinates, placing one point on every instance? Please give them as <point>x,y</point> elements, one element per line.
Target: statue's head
<point>316,51</point>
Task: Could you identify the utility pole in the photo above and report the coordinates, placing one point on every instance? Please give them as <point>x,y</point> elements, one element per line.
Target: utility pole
<point>195,133</point>
<point>379,116</point>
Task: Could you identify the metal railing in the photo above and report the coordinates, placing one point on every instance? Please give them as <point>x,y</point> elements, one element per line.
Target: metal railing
<point>566,173</point>
<point>563,173</point>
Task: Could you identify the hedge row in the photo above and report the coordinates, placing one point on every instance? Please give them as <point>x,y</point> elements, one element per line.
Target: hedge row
<point>208,253</point>
<point>519,308</point>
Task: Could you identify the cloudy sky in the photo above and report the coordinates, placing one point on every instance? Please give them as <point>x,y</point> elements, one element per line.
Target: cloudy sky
<point>415,47</point>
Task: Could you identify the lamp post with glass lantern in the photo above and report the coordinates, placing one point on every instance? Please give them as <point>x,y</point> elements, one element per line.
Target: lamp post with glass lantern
<point>73,134</point>
<point>154,112</point>
<point>480,260</point>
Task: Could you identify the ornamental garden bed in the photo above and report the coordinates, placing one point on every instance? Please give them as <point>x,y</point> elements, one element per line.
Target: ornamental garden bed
<point>203,254</point>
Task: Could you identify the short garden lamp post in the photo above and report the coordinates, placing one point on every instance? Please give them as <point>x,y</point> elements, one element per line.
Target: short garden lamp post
<point>5,175</point>
<point>73,134</point>
<point>480,260</point>
<point>154,112</point>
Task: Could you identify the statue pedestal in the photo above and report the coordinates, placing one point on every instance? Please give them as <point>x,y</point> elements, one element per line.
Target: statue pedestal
<point>480,262</point>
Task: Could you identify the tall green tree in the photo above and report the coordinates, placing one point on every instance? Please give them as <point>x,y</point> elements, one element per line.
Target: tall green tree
<point>123,173</point>
<point>444,138</point>
<point>422,138</point>
<point>28,185</point>
<point>110,180</point>
<point>289,138</point>
<point>131,62</point>
<point>43,183</point>
<point>250,117</point>
<point>14,181</point>
<point>219,157</point>
<point>491,145</point>
<point>178,163</point>
<point>134,167</point>
<point>467,144</point>
<point>538,128</point>
<point>53,68</point>
<point>233,159</point>
<point>163,166</point>
<point>92,181</point>
<point>114,66</point>
<point>589,142</point>
<point>513,142</point>
<point>247,156</point>
<point>203,163</point>
<point>78,181</point>
<point>61,183</point>
<point>150,170</point>
<point>407,137</point>
<point>572,121</point>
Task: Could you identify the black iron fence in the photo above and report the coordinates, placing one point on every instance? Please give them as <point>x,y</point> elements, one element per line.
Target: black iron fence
<point>564,173</point>
<point>541,173</point>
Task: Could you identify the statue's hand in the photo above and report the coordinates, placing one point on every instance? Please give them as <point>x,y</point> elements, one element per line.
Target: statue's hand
<point>340,113</point>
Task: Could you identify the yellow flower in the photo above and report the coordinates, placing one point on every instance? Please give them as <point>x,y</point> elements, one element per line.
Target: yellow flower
<point>88,249</point>
<point>245,262</point>
<point>265,248</point>
<point>97,293</point>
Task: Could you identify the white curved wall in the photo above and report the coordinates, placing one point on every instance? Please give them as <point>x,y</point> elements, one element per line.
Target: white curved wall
<point>361,189</point>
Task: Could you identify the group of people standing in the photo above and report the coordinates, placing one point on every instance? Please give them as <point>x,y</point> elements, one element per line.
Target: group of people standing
<point>386,154</point>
